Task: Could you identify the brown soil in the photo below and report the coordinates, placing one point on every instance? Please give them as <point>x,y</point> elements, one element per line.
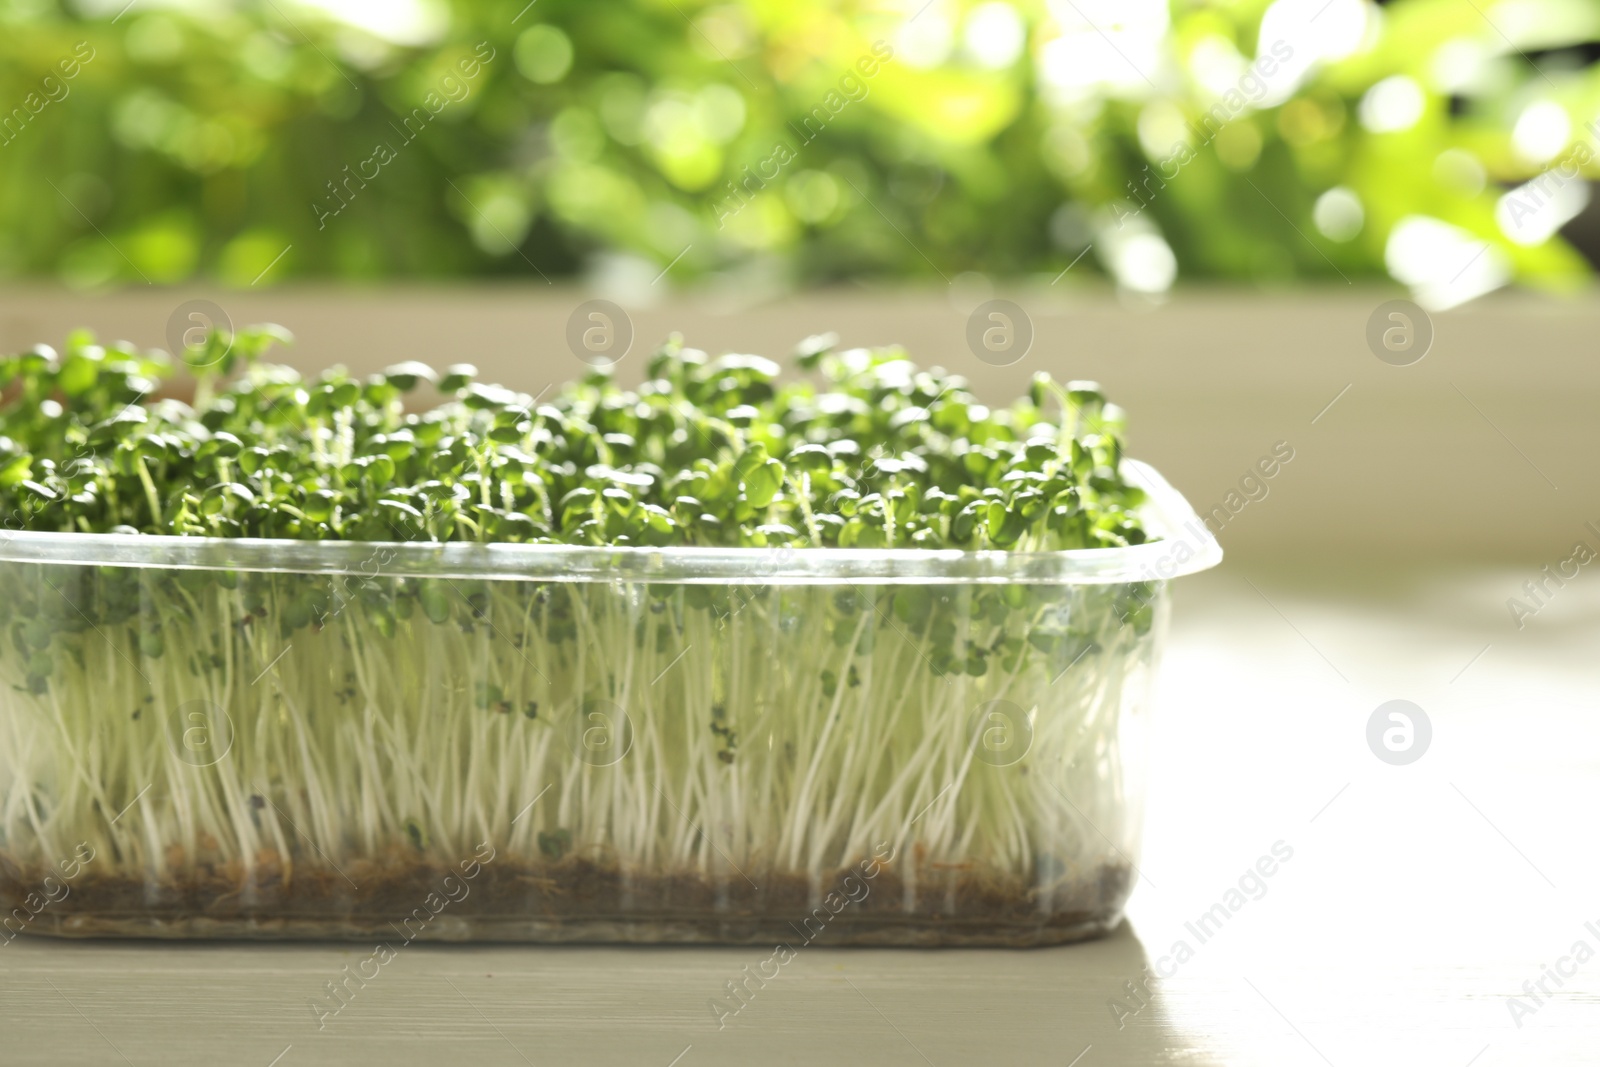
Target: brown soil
<point>575,899</point>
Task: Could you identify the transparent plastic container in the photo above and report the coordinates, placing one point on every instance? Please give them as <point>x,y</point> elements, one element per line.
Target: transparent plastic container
<point>272,739</point>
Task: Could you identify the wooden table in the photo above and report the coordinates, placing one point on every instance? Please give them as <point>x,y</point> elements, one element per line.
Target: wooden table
<point>1417,901</point>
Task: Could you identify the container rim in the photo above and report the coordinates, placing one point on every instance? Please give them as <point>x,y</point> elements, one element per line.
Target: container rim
<point>1184,547</point>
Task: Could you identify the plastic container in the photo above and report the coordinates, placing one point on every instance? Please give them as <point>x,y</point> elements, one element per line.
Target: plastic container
<point>270,739</point>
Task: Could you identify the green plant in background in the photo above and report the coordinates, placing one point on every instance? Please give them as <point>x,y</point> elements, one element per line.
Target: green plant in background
<point>796,143</point>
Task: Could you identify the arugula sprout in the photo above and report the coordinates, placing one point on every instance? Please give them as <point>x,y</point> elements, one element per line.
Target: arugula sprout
<point>395,718</point>
<point>705,452</point>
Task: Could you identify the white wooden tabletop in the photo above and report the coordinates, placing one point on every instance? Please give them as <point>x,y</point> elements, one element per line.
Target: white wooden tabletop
<point>1416,901</point>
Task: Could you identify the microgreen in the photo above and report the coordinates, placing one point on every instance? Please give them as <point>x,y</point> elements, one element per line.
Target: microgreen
<point>706,452</point>
<point>762,727</point>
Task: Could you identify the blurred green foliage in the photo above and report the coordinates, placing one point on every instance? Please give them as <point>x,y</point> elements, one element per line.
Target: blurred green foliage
<point>792,141</point>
